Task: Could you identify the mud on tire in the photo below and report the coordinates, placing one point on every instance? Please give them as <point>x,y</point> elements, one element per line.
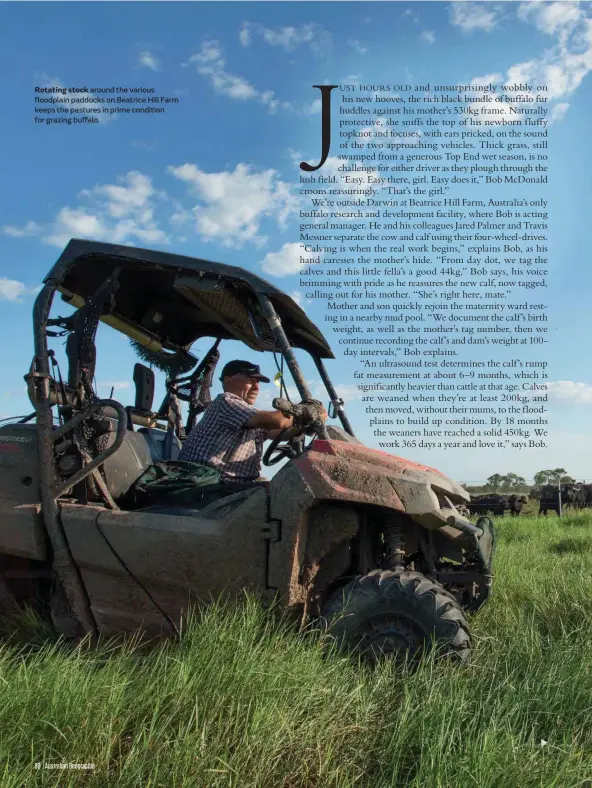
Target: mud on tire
<point>398,615</point>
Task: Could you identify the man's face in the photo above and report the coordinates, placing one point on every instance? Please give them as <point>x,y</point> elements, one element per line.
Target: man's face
<point>242,386</point>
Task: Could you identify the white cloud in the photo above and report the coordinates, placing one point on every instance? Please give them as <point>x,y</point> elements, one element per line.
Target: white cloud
<point>493,79</point>
<point>562,67</point>
<point>245,35</point>
<point>288,37</point>
<point>12,290</point>
<point>131,195</point>
<point>285,261</point>
<point>313,108</point>
<point>557,112</point>
<point>210,63</point>
<point>148,60</point>
<point>428,36</point>
<point>551,18</point>
<point>113,384</point>
<point>569,391</point>
<point>233,204</point>
<point>230,208</point>
<point>301,300</point>
<point>478,108</point>
<point>181,215</point>
<point>117,213</point>
<point>474,16</point>
<point>75,222</point>
<point>357,46</point>
<point>411,15</point>
<point>30,228</point>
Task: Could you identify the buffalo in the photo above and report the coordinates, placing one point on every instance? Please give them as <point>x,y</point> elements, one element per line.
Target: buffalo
<point>585,495</point>
<point>515,503</point>
<point>574,495</point>
<point>481,504</point>
<point>551,498</point>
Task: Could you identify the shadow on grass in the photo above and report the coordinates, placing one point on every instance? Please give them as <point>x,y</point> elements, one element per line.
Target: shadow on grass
<point>24,627</point>
<point>23,632</point>
<point>571,546</point>
<point>509,537</point>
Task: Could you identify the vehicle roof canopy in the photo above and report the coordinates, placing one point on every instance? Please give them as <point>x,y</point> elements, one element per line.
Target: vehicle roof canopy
<point>176,299</point>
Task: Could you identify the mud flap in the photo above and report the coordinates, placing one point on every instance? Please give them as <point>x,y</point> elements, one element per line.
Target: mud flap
<point>483,555</point>
<point>486,542</point>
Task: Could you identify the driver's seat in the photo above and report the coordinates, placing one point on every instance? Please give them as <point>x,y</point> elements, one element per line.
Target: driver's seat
<point>141,418</point>
<point>160,448</point>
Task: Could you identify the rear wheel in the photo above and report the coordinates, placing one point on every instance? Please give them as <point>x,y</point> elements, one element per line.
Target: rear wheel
<point>397,615</point>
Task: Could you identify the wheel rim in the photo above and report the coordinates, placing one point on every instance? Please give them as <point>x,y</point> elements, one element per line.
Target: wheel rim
<point>393,637</point>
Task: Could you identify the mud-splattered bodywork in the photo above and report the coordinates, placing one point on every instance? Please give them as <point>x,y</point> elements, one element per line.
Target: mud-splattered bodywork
<point>313,524</point>
<point>330,503</point>
<point>337,510</point>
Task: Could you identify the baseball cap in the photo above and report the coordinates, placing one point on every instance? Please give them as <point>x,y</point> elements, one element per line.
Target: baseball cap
<point>243,368</point>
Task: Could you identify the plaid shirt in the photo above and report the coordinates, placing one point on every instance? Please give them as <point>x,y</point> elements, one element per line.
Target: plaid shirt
<point>222,441</point>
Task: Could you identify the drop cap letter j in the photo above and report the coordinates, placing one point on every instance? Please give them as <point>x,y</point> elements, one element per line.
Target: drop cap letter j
<point>325,127</point>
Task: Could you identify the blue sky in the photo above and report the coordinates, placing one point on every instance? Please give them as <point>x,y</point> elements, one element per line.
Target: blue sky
<point>216,176</point>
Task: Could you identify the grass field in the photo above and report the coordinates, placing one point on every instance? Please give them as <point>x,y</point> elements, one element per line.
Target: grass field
<point>243,702</point>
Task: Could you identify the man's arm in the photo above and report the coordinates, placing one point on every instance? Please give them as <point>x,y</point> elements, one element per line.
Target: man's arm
<point>274,421</point>
<point>269,420</point>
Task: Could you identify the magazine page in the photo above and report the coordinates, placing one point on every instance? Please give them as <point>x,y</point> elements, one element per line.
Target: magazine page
<point>294,299</point>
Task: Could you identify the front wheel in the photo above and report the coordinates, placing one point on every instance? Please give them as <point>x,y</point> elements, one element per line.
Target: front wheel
<point>397,615</point>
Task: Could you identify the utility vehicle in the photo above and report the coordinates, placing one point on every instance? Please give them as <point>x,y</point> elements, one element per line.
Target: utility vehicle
<point>369,544</point>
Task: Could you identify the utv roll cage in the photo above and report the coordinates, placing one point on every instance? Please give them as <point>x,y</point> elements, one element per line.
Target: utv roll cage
<point>163,302</point>
<point>166,302</point>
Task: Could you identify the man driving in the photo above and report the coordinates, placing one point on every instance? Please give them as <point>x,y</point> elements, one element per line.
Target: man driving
<point>231,433</point>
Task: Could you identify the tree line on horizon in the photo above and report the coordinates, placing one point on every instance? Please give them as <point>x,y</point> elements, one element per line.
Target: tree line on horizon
<point>512,482</point>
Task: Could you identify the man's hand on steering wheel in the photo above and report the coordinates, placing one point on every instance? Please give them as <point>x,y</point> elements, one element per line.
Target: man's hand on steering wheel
<point>307,417</point>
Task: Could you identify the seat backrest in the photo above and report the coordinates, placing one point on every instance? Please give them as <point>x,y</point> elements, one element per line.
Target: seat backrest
<point>128,463</point>
<point>156,443</point>
<point>139,450</point>
<point>144,382</point>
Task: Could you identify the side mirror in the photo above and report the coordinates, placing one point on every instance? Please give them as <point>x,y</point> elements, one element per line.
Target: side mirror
<point>332,408</point>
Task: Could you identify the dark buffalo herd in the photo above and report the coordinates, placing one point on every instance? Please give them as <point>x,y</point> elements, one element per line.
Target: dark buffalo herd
<point>574,496</point>
<point>497,504</point>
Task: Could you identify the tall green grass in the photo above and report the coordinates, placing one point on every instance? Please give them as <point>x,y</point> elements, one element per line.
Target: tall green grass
<point>243,701</point>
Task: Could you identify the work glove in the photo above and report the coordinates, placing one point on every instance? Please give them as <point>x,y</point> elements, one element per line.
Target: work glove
<point>307,416</point>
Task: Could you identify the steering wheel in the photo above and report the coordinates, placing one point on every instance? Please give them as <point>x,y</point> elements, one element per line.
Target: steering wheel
<point>279,450</point>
